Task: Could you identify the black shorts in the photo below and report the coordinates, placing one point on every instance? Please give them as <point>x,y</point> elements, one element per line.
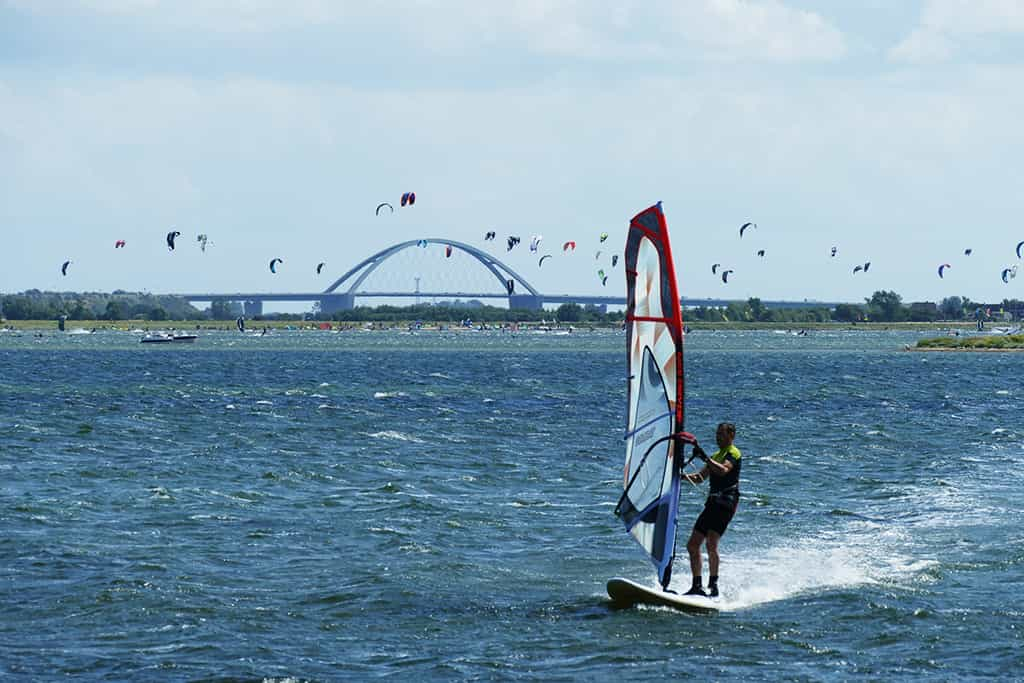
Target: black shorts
<point>716,516</point>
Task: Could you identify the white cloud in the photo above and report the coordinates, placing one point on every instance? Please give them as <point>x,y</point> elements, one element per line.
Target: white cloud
<point>738,29</point>
<point>216,16</point>
<point>719,30</point>
<point>947,25</point>
<point>632,30</point>
<point>922,46</point>
<point>974,17</point>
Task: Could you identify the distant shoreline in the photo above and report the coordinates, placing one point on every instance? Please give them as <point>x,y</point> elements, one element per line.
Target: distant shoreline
<point>229,325</point>
<point>966,349</point>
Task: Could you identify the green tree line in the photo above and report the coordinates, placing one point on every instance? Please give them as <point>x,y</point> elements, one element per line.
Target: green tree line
<point>119,305</point>
<point>882,306</point>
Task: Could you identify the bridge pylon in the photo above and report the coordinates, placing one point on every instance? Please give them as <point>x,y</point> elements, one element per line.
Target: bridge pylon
<point>332,303</point>
<point>526,301</point>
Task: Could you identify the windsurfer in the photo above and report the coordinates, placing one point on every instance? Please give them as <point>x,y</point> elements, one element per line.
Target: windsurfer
<point>723,469</point>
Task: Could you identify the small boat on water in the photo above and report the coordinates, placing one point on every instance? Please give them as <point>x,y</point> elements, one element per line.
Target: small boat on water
<point>168,339</point>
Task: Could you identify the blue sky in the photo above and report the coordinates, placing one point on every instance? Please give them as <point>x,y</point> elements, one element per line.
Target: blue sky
<point>890,130</point>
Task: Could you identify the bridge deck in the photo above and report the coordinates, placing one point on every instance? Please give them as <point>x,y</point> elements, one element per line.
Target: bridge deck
<point>582,299</point>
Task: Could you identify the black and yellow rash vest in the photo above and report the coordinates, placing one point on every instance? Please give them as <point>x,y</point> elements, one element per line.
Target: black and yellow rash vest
<point>730,481</point>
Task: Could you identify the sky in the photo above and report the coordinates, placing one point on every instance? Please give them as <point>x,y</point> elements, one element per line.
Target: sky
<point>890,130</point>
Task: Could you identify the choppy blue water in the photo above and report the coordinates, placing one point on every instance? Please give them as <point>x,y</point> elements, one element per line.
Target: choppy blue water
<point>326,506</point>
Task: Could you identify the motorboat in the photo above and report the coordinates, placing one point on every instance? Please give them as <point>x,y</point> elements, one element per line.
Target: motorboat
<point>168,339</point>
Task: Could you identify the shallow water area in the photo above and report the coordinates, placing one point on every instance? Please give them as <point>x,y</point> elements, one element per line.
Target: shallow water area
<point>344,505</point>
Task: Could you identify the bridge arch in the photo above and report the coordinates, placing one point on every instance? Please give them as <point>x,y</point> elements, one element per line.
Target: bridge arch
<point>500,271</point>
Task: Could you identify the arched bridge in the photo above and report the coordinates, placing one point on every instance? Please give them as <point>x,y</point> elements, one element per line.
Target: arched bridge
<point>343,292</point>
<point>502,273</point>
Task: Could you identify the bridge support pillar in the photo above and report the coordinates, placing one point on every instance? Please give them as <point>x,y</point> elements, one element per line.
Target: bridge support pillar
<point>331,303</point>
<point>527,301</point>
<point>253,308</point>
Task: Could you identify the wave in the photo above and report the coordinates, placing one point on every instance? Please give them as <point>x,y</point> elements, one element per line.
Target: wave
<point>389,394</point>
<point>396,436</point>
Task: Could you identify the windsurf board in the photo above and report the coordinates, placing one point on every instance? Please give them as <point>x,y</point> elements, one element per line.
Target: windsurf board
<point>626,593</point>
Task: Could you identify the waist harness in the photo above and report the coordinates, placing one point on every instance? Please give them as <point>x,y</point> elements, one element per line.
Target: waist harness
<point>727,497</point>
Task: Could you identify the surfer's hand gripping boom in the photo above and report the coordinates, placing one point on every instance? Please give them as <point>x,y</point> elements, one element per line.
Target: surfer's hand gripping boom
<point>680,439</point>
<point>683,438</point>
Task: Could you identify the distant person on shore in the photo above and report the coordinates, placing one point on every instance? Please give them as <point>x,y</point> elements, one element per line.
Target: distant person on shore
<point>723,469</point>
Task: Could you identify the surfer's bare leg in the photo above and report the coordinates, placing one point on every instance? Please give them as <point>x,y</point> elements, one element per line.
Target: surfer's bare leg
<point>693,548</point>
<point>712,553</point>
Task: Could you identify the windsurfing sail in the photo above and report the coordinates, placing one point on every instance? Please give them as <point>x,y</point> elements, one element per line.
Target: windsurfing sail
<point>655,407</point>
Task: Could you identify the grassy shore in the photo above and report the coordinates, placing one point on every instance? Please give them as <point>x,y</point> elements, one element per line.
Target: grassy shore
<point>1009,342</point>
<point>192,325</point>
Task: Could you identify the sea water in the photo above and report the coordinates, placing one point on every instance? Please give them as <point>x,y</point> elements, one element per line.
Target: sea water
<point>345,506</point>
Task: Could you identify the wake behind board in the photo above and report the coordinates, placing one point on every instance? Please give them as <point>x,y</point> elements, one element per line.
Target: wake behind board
<point>626,593</point>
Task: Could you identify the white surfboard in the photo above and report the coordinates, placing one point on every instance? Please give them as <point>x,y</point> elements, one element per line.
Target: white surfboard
<point>626,593</point>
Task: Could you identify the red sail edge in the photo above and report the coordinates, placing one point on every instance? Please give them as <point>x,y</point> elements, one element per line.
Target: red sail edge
<point>651,222</point>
